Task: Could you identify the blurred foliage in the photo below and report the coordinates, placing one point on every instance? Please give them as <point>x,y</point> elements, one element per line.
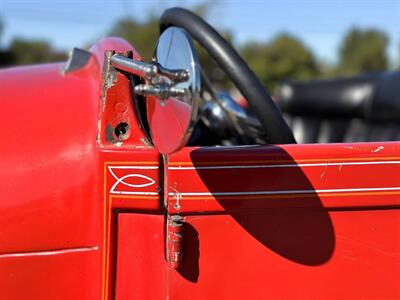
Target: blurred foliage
<point>363,51</point>
<point>4,53</point>
<point>144,35</point>
<point>25,52</point>
<point>283,58</point>
<point>6,57</point>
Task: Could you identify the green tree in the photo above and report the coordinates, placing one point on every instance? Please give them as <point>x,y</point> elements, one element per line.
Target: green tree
<point>284,57</point>
<point>26,52</point>
<point>363,51</point>
<point>5,56</point>
<point>142,35</point>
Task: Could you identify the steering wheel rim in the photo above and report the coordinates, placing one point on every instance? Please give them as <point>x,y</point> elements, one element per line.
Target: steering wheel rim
<point>260,101</point>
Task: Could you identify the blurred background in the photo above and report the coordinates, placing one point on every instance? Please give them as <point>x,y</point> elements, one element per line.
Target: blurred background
<point>285,39</point>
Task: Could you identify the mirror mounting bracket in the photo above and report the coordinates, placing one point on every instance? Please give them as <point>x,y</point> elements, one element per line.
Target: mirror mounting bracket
<point>160,81</point>
<point>171,85</point>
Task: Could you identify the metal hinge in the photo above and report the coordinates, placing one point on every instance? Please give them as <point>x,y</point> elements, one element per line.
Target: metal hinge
<point>174,241</point>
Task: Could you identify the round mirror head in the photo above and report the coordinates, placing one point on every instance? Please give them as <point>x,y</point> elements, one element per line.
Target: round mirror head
<point>171,119</point>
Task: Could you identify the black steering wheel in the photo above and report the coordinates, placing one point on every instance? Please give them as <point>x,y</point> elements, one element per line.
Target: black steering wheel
<point>275,127</point>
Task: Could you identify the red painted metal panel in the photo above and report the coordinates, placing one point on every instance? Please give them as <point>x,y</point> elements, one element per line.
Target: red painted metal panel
<point>132,179</point>
<point>141,266</point>
<point>48,165</point>
<point>53,172</point>
<point>300,221</point>
<point>342,175</point>
<point>130,183</point>
<point>290,255</point>
<point>63,274</point>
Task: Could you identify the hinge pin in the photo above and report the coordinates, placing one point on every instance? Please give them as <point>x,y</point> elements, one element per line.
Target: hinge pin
<point>174,241</point>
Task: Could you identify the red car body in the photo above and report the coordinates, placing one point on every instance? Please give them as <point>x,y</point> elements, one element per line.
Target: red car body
<point>85,215</point>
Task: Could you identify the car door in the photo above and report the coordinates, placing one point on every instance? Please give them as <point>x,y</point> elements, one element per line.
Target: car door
<point>295,221</point>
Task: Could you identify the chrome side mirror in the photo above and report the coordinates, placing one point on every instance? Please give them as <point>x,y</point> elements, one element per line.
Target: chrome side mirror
<point>172,87</point>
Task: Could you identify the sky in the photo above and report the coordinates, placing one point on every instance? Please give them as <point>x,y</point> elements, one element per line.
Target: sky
<point>320,24</point>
